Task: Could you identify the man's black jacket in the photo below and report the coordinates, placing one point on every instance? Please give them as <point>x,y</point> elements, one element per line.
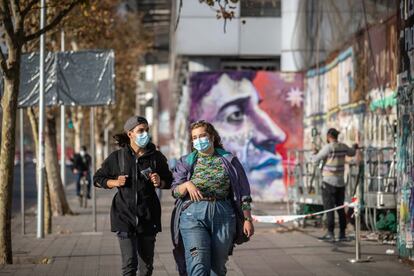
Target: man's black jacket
<point>135,207</point>
<point>82,163</point>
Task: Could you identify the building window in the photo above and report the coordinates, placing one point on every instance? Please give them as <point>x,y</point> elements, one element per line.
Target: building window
<point>258,64</point>
<point>260,8</point>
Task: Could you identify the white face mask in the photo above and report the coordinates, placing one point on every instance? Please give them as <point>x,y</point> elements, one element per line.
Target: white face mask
<point>82,153</point>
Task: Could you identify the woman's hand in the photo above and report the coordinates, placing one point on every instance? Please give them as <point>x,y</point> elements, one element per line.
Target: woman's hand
<point>248,228</point>
<point>195,194</point>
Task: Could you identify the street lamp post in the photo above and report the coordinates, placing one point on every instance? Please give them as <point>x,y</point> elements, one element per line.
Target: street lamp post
<point>62,126</point>
<point>41,150</point>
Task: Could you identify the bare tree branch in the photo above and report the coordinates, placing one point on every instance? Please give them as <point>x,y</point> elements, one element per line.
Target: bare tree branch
<point>18,26</point>
<point>7,19</point>
<point>15,8</point>
<point>54,22</point>
<point>29,6</point>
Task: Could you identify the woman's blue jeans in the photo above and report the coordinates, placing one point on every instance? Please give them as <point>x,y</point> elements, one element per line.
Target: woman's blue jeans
<point>207,229</point>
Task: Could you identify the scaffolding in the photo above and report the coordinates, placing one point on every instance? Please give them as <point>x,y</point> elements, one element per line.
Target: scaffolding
<point>307,179</point>
<point>380,183</point>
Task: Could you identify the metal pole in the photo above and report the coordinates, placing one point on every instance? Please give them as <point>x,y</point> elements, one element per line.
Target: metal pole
<point>92,142</point>
<point>357,214</point>
<point>106,138</point>
<point>288,182</point>
<point>22,171</point>
<point>41,150</point>
<point>358,228</point>
<point>298,183</point>
<point>62,126</point>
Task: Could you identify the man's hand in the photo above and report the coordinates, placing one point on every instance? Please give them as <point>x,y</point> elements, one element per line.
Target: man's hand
<point>121,180</point>
<point>155,179</point>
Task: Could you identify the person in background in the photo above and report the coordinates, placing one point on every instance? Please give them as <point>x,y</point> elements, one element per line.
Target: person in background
<point>135,170</point>
<point>82,167</point>
<point>333,156</point>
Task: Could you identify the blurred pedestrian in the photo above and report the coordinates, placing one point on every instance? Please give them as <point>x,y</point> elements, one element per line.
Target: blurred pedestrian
<point>213,204</point>
<point>82,167</point>
<point>333,185</point>
<point>135,170</point>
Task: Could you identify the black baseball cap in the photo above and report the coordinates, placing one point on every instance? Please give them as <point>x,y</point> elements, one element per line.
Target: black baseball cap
<point>133,121</point>
<point>333,132</point>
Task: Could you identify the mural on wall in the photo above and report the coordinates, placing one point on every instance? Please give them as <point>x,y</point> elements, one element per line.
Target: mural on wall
<point>259,117</point>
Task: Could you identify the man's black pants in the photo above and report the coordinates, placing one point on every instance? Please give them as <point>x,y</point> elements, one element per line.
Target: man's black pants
<point>332,197</point>
<point>137,252</point>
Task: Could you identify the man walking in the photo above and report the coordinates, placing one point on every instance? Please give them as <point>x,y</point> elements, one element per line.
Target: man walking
<point>333,185</point>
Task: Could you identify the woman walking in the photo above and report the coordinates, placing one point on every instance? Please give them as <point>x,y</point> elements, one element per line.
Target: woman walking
<point>135,170</point>
<point>213,207</point>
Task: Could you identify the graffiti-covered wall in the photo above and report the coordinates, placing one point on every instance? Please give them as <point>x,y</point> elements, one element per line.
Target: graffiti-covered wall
<point>259,117</point>
<point>405,148</point>
<point>355,91</point>
<point>333,100</point>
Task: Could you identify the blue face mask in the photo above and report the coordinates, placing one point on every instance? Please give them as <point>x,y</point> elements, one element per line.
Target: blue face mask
<point>202,144</point>
<point>142,139</point>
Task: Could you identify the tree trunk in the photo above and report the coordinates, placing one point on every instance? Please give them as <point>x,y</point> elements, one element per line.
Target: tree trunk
<point>7,151</point>
<point>59,202</point>
<point>99,147</point>
<point>47,223</point>
<point>56,191</point>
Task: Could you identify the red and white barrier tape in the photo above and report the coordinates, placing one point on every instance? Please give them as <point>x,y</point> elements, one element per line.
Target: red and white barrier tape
<point>288,218</point>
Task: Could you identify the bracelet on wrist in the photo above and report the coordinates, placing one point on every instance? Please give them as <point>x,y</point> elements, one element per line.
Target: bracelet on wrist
<point>248,219</point>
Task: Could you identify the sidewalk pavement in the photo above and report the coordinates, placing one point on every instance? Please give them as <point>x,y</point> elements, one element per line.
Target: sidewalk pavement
<point>73,249</point>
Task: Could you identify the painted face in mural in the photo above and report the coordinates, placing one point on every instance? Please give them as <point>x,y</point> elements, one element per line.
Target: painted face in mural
<point>247,131</point>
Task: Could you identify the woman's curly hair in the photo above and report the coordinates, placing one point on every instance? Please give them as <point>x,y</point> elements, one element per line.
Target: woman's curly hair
<point>210,129</point>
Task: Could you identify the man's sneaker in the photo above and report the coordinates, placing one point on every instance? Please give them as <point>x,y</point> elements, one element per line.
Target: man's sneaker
<point>328,237</point>
<point>343,238</point>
